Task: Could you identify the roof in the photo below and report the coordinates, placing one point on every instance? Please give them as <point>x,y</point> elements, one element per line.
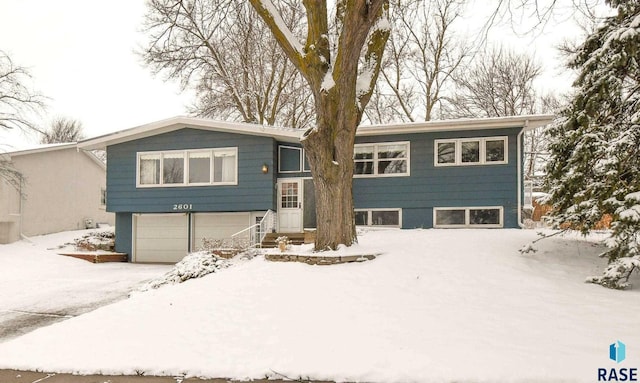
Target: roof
<point>530,121</point>
<point>44,148</point>
<point>180,122</point>
<point>294,135</point>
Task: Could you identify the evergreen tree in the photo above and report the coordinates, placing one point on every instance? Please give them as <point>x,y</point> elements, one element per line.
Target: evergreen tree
<point>595,146</point>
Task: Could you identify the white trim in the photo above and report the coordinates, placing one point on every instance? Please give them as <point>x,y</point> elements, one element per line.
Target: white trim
<point>185,156</point>
<point>376,160</point>
<point>300,159</point>
<point>42,149</point>
<point>305,162</point>
<point>181,122</point>
<point>482,148</point>
<point>370,220</point>
<point>462,124</point>
<point>294,135</point>
<point>467,210</point>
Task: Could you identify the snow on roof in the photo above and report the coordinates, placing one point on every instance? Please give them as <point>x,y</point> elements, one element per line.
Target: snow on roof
<point>530,121</point>
<point>180,122</point>
<point>294,135</point>
<point>42,148</point>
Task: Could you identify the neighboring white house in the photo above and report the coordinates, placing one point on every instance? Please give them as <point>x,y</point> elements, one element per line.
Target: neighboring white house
<point>63,189</point>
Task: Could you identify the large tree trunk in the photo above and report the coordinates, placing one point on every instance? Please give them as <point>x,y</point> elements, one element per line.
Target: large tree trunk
<point>340,97</point>
<point>329,150</point>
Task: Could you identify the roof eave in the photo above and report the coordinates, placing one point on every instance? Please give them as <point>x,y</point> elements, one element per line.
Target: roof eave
<point>527,121</point>
<point>180,122</point>
<point>47,148</point>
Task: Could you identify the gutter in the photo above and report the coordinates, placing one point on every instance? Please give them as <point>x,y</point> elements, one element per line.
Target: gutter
<point>520,160</point>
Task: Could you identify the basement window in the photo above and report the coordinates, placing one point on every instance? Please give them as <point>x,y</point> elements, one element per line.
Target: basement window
<point>379,217</point>
<point>454,217</point>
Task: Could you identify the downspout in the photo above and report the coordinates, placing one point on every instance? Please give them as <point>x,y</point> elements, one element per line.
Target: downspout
<point>520,159</point>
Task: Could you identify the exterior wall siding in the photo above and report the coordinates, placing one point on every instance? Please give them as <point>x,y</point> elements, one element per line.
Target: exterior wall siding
<point>429,186</point>
<point>426,187</point>
<point>124,232</point>
<point>67,176</point>
<point>254,190</point>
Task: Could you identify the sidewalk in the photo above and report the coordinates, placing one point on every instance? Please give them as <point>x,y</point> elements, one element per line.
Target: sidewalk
<point>13,376</point>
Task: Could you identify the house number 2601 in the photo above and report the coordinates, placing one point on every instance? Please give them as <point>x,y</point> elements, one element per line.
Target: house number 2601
<point>182,206</point>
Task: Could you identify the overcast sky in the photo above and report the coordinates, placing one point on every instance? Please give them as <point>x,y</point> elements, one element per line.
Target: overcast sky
<point>81,55</point>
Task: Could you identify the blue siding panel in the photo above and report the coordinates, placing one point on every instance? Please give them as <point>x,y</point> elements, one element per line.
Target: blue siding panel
<point>124,242</point>
<point>254,191</point>
<point>451,186</point>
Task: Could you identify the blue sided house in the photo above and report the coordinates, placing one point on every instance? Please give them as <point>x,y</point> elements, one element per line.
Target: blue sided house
<point>175,182</point>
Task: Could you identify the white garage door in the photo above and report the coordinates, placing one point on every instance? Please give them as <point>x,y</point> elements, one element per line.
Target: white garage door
<point>218,226</point>
<point>161,237</point>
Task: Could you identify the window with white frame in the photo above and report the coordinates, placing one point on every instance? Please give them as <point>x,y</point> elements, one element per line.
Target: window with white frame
<point>471,151</point>
<point>196,167</point>
<point>381,159</point>
<point>468,217</point>
<point>378,217</point>
<point>290,159</point>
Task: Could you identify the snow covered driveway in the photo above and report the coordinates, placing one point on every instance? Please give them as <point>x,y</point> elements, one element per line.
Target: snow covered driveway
<point>39,287</point>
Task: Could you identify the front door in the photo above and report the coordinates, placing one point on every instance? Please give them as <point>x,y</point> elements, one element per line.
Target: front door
<point>290,205</point>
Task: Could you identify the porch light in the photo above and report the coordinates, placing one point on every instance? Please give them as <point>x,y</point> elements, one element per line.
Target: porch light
<point>265,168</point>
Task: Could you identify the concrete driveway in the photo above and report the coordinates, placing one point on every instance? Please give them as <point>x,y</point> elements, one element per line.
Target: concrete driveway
<point>40,287</point>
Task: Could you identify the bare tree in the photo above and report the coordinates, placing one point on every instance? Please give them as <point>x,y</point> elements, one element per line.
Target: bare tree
<point>536,141</point>
<point>341,73</point>
<point>63,129</point>
<point>9,174</point>
<point>17,100</point>
<point>224,53</point>
<point>422,56</point>
<point>500,83</point>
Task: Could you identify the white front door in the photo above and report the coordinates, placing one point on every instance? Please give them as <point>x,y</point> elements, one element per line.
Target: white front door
<point>290,205</point>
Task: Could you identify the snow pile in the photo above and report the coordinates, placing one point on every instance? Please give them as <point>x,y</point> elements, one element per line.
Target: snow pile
<point>439,306</point>
<point>96,240</point>
<point>194,265</point>
<point>624,247</point>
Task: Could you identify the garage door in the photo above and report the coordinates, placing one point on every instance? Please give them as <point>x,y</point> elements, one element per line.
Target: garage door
<point>161,237</point>
<point>218,226</point>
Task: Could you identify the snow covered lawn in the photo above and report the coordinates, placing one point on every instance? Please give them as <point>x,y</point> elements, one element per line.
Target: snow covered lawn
<point>436,306</point>
<point>39,287</point>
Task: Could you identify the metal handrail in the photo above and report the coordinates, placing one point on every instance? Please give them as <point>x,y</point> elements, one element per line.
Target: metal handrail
<point>266,224</point>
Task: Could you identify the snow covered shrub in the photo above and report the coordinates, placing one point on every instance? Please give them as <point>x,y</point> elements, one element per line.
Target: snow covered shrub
<point>624,244</point>
<point>617,273</point>
<point>194,265</point>
<point>97,240</point>
<point>210,245</point>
